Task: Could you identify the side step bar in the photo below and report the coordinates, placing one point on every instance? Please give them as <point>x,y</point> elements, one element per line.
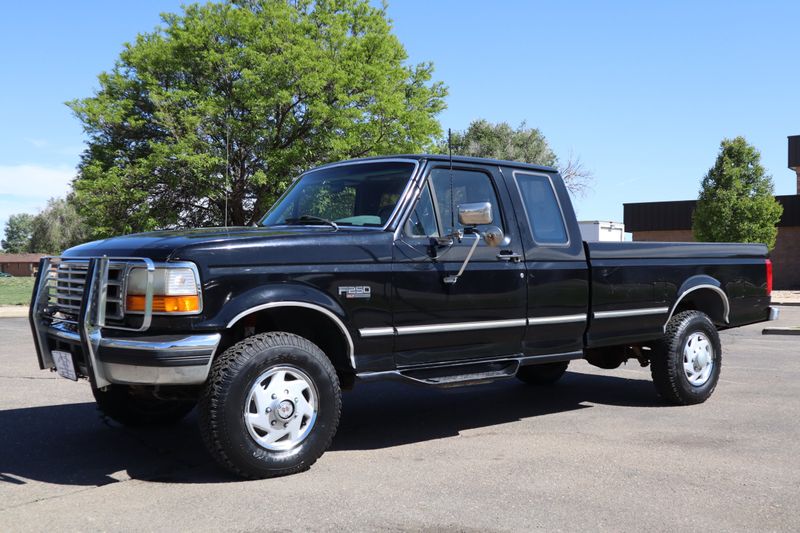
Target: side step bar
<point>464,373</point>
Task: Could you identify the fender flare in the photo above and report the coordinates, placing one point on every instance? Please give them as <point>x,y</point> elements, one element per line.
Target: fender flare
<point>696,283</point>
<point>292,295</point>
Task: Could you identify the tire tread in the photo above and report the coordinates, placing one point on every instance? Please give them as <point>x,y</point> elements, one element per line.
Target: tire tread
<point>227,365</point>
<point>666,376</point>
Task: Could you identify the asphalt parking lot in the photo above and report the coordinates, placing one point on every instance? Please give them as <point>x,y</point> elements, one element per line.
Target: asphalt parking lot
<point>598,451</point>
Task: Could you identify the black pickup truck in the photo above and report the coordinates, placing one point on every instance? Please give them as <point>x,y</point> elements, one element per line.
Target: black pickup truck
<point>436,271</point>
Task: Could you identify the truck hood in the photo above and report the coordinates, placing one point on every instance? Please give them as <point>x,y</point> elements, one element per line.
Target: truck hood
<point>162,245</point>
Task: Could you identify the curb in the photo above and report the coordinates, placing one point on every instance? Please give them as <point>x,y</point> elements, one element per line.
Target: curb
<point>780,331</point>
<point>13,311</point>
<point>786,303</point>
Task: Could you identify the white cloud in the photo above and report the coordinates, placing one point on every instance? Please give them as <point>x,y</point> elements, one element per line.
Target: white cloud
<point>38,143</point>
<point>35,181</point>
<point>26,188</point>
<point>72,151</point>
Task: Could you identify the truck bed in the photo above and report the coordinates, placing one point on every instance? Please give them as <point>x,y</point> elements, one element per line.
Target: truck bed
<point>649,280</point>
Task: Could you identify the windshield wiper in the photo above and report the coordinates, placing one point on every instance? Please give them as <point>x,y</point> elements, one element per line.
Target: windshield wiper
<point>305,219</point>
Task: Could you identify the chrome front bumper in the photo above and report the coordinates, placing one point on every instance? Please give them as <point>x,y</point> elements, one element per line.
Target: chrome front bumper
<point>774,313</point>
<point>105,359</point>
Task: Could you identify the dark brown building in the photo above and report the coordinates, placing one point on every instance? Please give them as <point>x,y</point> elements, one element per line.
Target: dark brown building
<point>672,221</point>
<point>20,264</point>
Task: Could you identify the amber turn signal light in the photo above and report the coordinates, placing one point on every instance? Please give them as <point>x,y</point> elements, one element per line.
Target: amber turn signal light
<point>165,304</point>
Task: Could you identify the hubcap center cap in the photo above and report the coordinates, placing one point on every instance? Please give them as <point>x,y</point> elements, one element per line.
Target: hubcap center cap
<point>285,409</point>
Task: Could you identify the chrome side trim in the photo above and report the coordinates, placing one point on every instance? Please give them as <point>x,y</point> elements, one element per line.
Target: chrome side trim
<point>726,306</point>
<point>631,312</point>
<point>461,326</point>
<point>376,332</point>
<point>558,319</point>
<point>306,305</point>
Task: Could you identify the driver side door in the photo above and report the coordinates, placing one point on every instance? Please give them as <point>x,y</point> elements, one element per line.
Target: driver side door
<point>482,315</point>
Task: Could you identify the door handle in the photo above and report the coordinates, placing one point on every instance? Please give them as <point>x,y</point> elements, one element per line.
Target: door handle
<point>508,255</point>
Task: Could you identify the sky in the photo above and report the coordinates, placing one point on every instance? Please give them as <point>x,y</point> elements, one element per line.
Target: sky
<point>641,92</point>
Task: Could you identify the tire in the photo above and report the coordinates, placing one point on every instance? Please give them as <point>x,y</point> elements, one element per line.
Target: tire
<point>134,407</point>
<point>271,406</point>
<point>544,374</point>
<point>686,364</point>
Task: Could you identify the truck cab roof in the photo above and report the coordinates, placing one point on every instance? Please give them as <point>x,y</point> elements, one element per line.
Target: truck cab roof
<point>455,158</point>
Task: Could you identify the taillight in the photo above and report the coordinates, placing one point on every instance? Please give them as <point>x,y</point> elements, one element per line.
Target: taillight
<point>769,277</point>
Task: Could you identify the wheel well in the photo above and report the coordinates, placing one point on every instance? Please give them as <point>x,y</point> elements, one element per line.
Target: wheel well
<point>305,322</point>
<point>706,300</point>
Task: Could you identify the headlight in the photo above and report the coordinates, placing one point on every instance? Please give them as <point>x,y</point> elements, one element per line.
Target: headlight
<point>175,290</point>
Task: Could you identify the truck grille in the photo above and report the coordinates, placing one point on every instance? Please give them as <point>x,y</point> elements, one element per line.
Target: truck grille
<point>67,283</point>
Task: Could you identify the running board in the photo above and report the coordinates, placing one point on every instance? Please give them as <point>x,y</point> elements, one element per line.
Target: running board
<point>451,375</point>
<point>466,372</point>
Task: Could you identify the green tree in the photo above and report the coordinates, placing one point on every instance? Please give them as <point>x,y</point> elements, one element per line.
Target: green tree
<point>241,96</point>
<point>527,145</point>
<point>57,227</point>
<point>18,233</point>
<point>736,202</point>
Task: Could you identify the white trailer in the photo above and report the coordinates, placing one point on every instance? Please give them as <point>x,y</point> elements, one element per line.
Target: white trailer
<point>602,231</point>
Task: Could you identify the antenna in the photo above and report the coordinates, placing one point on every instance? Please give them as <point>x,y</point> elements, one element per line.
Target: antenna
<point>227,168</point>
<point>452,201</point>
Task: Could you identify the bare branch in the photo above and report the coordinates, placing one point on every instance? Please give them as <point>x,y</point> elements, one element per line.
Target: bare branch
<point>577,178</point>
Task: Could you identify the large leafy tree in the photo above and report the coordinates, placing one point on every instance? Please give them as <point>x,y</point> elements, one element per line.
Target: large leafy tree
<point>207,119</point>
<point>736,202</point>
<point>57,227</point>
<point>18,233</point>
<point>527,145</point>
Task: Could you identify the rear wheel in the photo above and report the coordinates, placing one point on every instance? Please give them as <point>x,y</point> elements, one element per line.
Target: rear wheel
<point>271,406</point>
<point>138,407</point>
<point>544,374</point>
<point>686,364</point>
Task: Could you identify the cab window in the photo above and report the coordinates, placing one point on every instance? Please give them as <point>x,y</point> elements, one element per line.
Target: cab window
<point>467,187</point>
<point>542,209</point>
<point>422,222</point>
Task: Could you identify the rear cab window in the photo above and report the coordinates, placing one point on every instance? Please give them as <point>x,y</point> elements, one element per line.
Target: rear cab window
<point>542,208</point>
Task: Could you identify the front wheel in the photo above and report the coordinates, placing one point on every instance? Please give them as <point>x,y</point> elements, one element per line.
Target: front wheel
<point>686,364</point>
<point>271,406</point>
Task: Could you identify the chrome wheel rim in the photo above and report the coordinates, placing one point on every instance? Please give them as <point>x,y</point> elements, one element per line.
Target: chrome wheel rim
<point>281,408</point>
<point>698,359</point>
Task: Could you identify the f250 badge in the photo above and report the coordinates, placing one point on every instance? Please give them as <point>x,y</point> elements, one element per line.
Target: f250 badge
<point>360,291</point>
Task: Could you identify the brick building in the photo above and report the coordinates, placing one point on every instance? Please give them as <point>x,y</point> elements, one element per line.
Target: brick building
<point>20,264</point>
<point>672,221</point>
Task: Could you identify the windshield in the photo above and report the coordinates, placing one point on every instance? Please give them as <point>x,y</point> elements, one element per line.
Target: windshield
<point>348,195</point>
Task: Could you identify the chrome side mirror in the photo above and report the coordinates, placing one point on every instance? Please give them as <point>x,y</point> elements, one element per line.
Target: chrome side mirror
<point>470,216</point>
<point>475,214</point>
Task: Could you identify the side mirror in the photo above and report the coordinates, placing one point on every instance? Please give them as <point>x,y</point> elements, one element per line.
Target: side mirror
<point>475,214</point>
<point>471,215</point>
<point>480,214</point>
